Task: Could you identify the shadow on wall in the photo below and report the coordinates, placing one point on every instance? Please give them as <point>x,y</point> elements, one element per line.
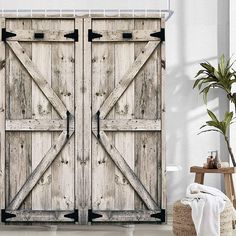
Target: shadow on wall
<point>181,100</point>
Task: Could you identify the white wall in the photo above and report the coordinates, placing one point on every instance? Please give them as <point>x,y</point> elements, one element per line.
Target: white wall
<point>233,54</point>
<point>197,31</point>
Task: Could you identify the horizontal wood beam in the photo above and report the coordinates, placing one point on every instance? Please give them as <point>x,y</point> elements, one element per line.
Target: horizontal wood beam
<point>38,125</point>
<point>128,125</point>
<point>60,125</point>
<point>39,216</point>
<point>126,216</point>
<point>38,172</point>
<point>48,35</point>
<point>38,78</point>
<point>128,77</point>
<point>129,174</point>
<point>117,36</point>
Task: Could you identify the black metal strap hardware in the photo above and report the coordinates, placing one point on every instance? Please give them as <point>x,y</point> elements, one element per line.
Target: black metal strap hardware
<point>163,64</point>
<point>92,35</point>
<point>74,35</point>
<point>38,35</point>
<point>6,34</point>
<point>127,35</point>
<point>74,215</point>
<point>161,215</point>
<point>98,124</point>
<point>5,215</point>
<point>68,124</point>
<point>160,34</point>
<point>92,215</point>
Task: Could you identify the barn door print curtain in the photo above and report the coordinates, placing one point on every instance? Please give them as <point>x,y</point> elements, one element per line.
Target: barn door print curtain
<point>82,120</point>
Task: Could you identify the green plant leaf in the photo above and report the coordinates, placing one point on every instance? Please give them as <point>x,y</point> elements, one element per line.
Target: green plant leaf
<point>199,73</point>
<point>228,117</point>
<point>213,124</point>
<point>222,76</point>
<point>212,115</point>
<point>205,93</point>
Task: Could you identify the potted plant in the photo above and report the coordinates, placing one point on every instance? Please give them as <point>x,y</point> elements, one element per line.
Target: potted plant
<point>223,77</point>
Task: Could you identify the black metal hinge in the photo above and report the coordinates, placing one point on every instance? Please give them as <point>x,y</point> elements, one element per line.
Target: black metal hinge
<point>161,215</point>
<point>98,124</point>
<point>92,35</point>
<point>6,34</point>
<point>160,34</point>
<point>74,35</point>
<point>67,124</point>
<point>92,215</point>
<point>74,215</point>
<point>5,215</point>
<point>127,35</point>
<point>38,35</point>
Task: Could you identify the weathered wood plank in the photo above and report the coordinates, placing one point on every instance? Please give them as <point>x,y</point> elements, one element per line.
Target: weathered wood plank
<point>127,78</point>
<point>86,202</point>
<point>127,172</point>
<point>48,35</point>
<point>126,216</point>
<point>2,119</point>
<point>117,35</point>
<point>63,173</point>
<point>38,78</point>
<point>79,157</point>
<point>124,109</point>
<point>128,125</point>
<point>18,106</point>
<point>39,216</point>
<point>38,125</point>
<point>103,169</point>
<point>41,109</point>
<point>39,171</point>
<point>163,124</point>
<point>147,106</point>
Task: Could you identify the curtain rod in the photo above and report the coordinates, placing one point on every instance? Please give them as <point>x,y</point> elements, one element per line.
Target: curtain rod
<point>79,12</point>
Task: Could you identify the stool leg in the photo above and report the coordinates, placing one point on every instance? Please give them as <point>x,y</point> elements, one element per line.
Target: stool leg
<point>228,190</point>
<point>233,196</point>
<point>199,178</point>
<point>233,190</point>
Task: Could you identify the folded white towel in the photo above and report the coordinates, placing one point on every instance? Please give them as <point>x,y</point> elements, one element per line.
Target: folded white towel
<point>207,203</point>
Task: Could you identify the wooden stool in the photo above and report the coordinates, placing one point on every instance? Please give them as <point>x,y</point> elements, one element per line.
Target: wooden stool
<point>228,180</point>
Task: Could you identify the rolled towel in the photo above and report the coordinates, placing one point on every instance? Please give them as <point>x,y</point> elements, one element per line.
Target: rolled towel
<point>222,165</point>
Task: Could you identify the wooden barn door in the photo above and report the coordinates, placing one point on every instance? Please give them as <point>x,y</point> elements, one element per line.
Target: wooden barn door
<point>39,76</point>
<point>126,98</point>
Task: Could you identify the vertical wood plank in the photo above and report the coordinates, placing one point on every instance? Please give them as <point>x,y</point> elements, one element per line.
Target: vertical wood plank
<point>163,132</point>
<point>18,153</point>
<point>147,106</point>
<point>87,123</point>
<point>79,110</point>
<point>103,169</point>
<point>2,119</point>
<point>124,109</point>
<point>41,109</point>
<point>63,84</point>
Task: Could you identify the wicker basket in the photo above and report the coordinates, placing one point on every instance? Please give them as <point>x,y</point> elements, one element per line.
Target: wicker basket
<point>183,224</point>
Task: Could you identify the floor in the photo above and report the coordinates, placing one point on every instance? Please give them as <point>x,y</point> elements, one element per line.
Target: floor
<point>131,230</point>
<point>128,230</point>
